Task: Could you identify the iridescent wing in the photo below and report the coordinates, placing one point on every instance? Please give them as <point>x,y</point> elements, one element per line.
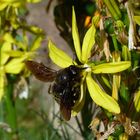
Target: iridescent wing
<point>41,72</point>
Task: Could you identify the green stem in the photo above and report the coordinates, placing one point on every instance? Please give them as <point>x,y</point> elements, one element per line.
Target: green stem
<point>115,6</point>
<point>2,133</point>
<point>112,8</point>
<point>115,43</point>
<point>11,111</point>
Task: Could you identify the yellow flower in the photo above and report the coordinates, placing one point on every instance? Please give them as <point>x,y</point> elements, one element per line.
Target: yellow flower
<point>15,3</point>
<point>83,53</point>
<point>12,60</point>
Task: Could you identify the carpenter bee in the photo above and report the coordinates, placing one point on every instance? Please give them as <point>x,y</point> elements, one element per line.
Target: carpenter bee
<point>65,87</point>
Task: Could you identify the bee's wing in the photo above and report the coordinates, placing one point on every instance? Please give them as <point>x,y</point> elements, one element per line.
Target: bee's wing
<point>65,111</point>
<point>41,72</point>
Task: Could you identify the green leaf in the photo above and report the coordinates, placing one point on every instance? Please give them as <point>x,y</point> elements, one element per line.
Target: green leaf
<point>3,55</point>
<point>79,105</point>
<point>113,67</point>
<point>100,97</point>
<point>124,93</point>
<point>15,66</point>
<point>75,35</point>
<point>58,56</point>
<point>88,43</point>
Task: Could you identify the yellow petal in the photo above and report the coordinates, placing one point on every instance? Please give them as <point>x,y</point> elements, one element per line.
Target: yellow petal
<point>58,56</point>
<point>79,105</point>
<point>137,101</point>
<point>75,35</point>
<point>113,67</point>
<point>137,19</point>
<point>100,97</point>
<point>36,43</point>
<point>8,38</point>
<point>15,66</point>
<point>4,56</point>
<point>3,5</point>
<point>88,43</point>
<point>34,29</point>
<point>15,53</point>
<point>33,1</point>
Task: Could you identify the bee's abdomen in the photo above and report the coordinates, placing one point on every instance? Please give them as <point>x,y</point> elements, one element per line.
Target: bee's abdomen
<point>68,93</point>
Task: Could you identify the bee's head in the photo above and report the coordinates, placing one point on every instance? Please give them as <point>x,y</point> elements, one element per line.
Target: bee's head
<point>75,69</point>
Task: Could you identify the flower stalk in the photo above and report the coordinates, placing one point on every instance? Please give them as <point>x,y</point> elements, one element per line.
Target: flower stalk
<point>113,8</point>
<point>116,77</point>
<point>11,110</point>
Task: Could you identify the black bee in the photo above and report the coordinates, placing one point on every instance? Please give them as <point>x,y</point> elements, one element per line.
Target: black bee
<point>66,86</point>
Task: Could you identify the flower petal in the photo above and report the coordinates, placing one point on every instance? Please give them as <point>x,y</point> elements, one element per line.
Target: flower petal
<point>34,29</point>
<point>88,43</point>
<point>36,44</point>
<point>33,1</point>
<point>58,56</point>
<point>4,56</point>
<point>137,101</point>
<point>113,67</point>
<point>15,66</point>
<point>137,19</point>
<point>3,5</point>
<point>14,53</point>
<point>8,38</point>
<point>75,35</point>
<point>79,105</point>
<point>100,97</point>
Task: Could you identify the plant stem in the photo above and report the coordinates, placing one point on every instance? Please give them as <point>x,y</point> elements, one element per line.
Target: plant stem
<point>115,6</point>
<point>115,43</point>
<point>113,9</point>
<point>2,134</point>
<point>10,105</point>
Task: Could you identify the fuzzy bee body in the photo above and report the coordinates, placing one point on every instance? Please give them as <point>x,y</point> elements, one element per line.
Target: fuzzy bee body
<point>66,86</point>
